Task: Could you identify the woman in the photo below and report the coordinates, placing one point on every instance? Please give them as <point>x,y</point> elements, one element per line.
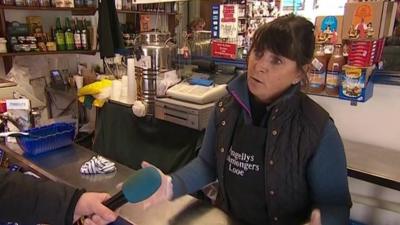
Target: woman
<point>275,152</point>
<point>197,24</point>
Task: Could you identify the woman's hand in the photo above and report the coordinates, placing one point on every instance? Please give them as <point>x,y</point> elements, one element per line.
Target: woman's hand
<point>163,193</point>
<point>315,217</point>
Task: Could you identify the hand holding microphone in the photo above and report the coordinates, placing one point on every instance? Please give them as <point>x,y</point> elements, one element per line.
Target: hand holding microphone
<point>144,184</point>
<point>139,187</point>
<point>163,193</point>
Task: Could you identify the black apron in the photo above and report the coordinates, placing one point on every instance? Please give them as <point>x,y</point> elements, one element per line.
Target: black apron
<point>245,174</point>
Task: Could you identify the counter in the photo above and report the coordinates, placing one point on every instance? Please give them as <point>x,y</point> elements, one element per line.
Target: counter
<point>172,146</point>
<point>366,162</point>
<point>63,166</point>
<point>373,164</point>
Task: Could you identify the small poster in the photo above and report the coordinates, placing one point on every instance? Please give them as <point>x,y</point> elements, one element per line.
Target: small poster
<point>223,50</point>
<point>293,5</point>
<point>229,17</point>
<point>145,23</point>
<point>328,29</point>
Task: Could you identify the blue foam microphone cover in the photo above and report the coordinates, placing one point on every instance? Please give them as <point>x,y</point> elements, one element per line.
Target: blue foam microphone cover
<point>140,186</point>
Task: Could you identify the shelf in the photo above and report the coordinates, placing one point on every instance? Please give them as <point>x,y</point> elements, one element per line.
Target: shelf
<point>323,94</point>
<point>91,52</point>
<point>74,11</point>
<point>145,12</point>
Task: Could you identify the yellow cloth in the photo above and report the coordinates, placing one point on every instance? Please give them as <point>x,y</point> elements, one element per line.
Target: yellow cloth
<point>96,89</point>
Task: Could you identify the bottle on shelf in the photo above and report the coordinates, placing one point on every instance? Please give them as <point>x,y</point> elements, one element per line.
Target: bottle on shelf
<point>335,65</point>
<point>8,2</point>
<point>59,34</point>
<point>51,44</point>
<point>77,35</point>
<point>118,4</point>
<point>84,35</point>
<point>20,2</point>
<point>69,35</point>
<point>44,3</point>
<point>317,74</point>
<point>126,5</point>
<point>90,3</point>
<point>79,3</point>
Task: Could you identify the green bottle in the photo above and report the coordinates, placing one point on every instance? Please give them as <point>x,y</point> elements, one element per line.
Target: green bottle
<point>69,35</point>
<point>77,35</point>
<point>60,39</point>
<point>85,36</point>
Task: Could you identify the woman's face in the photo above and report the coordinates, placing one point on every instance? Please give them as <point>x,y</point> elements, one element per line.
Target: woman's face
<point>269,75</point>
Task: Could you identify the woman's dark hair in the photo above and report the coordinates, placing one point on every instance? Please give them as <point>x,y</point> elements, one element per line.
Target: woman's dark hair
<point>289,36</point>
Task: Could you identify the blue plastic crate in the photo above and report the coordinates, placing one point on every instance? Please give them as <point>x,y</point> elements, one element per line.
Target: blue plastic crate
<point>47,138</point>
<point>353,222</point>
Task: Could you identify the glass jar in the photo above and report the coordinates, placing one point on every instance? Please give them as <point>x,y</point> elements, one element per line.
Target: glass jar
<point>127,5</point>
<point>9,2</point>
<point>44,3</point>
<point>79,4</point>
<point>20,2</point>
<point>21,39</point>
<point>90,3</point>
<point>32,3</point>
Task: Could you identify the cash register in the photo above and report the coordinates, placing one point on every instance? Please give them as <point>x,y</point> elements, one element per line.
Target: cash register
<point>191,104</point>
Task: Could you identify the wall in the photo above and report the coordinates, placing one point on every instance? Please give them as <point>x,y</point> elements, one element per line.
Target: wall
<point>376,122</point>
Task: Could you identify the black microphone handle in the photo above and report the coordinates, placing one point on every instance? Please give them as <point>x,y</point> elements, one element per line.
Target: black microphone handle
<point>112,203</point>
<point>115,201</point>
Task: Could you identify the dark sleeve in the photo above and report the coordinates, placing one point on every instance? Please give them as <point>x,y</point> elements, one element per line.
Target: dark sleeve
<point>201,170</point>
<point>27,200</point>
<point>327,175</point>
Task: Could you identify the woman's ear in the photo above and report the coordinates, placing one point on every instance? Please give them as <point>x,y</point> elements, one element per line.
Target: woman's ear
<point>301,74</point>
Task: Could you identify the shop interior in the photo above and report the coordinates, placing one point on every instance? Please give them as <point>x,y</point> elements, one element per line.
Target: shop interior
<point>137,80</point>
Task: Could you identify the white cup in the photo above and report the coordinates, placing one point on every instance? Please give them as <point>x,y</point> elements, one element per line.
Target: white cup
<point>116,89</point>
<point>78,81</point>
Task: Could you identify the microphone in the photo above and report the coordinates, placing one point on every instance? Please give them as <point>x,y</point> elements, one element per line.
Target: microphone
<point>140,186</point>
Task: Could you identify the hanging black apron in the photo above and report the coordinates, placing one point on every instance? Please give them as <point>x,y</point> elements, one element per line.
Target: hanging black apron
<point>244,174</point>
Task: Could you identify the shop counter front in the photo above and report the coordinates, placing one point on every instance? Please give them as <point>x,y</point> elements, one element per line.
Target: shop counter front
<point>63,165</point>
<point>129,140</point>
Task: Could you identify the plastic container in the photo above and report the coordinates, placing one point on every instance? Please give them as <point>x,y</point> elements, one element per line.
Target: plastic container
<point>3,46</point>
<point>47,138</point>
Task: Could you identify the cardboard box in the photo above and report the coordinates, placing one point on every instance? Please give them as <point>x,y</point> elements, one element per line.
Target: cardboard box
<point>390,18</point>
<point>365,53</point>
<point>355,83</point>
<point>328,29</point>
<point>63,3</point>
<point>33,23</point>
<point>364,20</point>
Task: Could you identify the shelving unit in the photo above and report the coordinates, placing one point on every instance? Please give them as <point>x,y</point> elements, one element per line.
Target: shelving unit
<point>8,57</point>
<point>89,52</point>
<point>146,12</point>
<point>75,11</point>
<point>166,13</point>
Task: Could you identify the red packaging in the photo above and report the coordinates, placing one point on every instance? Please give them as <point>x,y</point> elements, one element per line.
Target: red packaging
<point>365,53</point>
<point>3,106</point>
